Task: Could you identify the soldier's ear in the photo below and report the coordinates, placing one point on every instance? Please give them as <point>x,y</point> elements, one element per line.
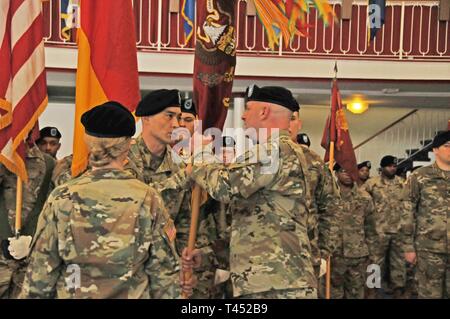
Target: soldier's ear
<point>264,112</point>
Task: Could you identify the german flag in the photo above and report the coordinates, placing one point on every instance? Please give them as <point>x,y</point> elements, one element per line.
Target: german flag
<point>107,64</point>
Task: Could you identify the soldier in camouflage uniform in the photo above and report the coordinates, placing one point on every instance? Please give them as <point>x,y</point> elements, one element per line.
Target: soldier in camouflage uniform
<point>208,230</point>
<point>426,226</point>
<point>214,239</point>
<point>156,163</point>
<point>39,168</point>
<point>63,171</point>
<point>364,171</point>
<point>269,191</point>
<point>349,263</point>
<point>314,214</point>
<point>386,191</point>
<point>188,115</point>
<point>49,141</point>
<point>105,227</point>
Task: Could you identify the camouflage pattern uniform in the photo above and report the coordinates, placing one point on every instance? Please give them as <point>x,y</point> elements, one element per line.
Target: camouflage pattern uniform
<point>426,229</point>
<point>168,176</point>
<point>319,236</point>
<point>349,263</point>
<point>387,197</point>
<point>63,171</point>
<point>270,249</point>
<point>213,240</point>
<point>12,271</point>
<point>115,229</point>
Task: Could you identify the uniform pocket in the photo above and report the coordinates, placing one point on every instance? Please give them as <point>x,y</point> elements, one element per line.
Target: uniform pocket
<point>289,239</point>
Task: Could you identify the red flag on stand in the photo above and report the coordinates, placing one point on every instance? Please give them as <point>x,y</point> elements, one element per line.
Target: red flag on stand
<point>336,137</point>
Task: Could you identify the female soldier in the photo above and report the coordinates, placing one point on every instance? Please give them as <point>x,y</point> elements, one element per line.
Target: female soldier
<point>104,234</point>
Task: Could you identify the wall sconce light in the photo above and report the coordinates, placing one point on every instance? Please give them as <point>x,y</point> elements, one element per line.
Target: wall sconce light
<point>357,106</point>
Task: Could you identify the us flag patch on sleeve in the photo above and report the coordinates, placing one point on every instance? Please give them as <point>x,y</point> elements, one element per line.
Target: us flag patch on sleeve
<point>170,230</point>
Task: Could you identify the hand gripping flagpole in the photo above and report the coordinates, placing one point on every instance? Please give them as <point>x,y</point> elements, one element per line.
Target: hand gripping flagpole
<point>196,194</point>
<point>195,207</point>
<point>18,223</point>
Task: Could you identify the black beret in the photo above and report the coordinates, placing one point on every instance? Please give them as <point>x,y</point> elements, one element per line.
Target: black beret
<point>336,167</point>
<point>441,139</point>
<point>273,94</point>
<point>228,141</point>
<point>388,160</point>
<point>110,119</point>
<point>49,131</point>
<point>365,164</point>
<point>188,106</point>
<point>156,101</point>
<point>303,138</point>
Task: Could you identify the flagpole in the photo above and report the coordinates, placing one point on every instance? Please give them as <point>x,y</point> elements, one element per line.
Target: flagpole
<point>196,194</point>
<point>328,274</point>
<point>18,224</point>
<point>330,165</point>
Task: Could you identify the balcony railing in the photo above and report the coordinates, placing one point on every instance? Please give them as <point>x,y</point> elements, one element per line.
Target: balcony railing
<point>412,31</point>
<point>412,133</point>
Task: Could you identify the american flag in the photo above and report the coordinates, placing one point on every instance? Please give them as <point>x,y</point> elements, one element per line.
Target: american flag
<point>23,87</point>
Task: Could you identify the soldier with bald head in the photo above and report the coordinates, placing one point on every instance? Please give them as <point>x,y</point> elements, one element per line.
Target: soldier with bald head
<point>271,190</point>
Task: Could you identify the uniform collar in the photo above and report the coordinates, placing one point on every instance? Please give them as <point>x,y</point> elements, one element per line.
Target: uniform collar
<point>353,191</point>
<point>282,134</point>
<point>386,180</point>
<point>109,173</point>
<point>167,164</point>
<point>439,172</point>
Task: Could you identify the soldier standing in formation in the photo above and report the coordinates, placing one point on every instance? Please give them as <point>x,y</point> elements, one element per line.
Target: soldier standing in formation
<point>426,227</point>
<point>188,115</point>
<point>386,191</point>
<point>364,171</point>
<point>49,141</point>
<point>348,273</point>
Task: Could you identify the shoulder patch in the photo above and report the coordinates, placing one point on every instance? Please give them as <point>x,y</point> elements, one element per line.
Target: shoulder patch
<point>170,230</point>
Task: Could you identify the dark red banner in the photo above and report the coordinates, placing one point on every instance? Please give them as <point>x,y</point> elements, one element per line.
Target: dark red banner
<point>215,60</point>
<point>337,131</point>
